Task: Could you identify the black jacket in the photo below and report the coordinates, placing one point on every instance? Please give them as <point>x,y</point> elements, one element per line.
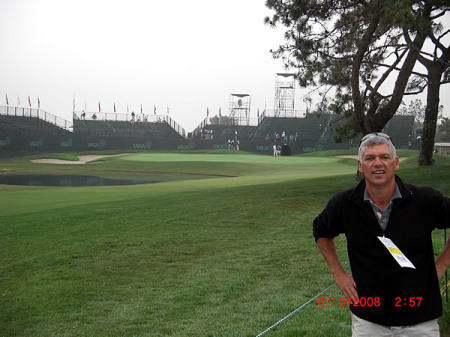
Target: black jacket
<point>392,295</point>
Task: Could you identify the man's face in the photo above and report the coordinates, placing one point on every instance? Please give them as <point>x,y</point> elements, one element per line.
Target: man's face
<point>378,165</point>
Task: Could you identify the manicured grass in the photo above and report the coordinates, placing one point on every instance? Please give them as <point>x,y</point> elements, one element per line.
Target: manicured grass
<point>223,256</point>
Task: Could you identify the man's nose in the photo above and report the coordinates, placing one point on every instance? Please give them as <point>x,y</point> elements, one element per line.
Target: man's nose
<point>378,161</point>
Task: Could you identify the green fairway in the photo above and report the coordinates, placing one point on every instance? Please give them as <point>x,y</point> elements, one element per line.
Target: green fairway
<point>227,158</point>
<point>222,246</point>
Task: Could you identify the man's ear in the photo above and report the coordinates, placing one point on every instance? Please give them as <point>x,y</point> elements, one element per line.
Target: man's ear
<point>360,166</point>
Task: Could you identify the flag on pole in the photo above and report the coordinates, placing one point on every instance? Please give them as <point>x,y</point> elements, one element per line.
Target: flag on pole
<point>207,112</point>
<point>99,107</point>
<point>154,109</point>
<point>29,101</point>
<point>220,112</point>
<point>114,106</point>
<point>7,103</point>
<point>39,103</point>
<point>141,108</point>
<point>257,113</point>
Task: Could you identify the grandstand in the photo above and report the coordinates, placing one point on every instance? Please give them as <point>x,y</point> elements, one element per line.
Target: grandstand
<point>18,120</point>
<point>126,125</point>
<point>309,128</point>
<point>27,131</point>
<point>222,132</point>
<point>23,125</point>
<point>124,129</point>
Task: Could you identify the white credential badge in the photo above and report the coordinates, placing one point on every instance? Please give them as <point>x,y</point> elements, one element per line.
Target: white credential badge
<point>396,253</point>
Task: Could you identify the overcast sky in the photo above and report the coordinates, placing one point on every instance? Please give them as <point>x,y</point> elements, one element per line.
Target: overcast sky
<point>185,55</point>
<point>188,55</point>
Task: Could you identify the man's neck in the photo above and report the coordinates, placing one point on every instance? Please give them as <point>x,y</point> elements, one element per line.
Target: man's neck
<point>381,195</point>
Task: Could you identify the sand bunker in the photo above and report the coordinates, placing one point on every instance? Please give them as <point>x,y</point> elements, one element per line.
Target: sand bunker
<point>82,159</point>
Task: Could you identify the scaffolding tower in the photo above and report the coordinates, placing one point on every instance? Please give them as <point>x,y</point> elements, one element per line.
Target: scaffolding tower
<point>240,109</point>
<point>284,95</point>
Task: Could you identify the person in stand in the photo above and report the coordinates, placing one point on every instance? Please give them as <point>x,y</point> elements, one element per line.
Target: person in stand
<point>393,285</point>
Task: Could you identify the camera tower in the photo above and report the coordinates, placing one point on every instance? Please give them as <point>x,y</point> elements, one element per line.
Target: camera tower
<point>284,95</point>
<point>240,109</point>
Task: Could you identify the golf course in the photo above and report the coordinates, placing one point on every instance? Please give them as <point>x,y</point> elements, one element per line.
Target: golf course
<point>205,243</point>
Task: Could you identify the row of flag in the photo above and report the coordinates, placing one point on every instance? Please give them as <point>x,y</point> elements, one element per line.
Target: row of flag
<point>29,101</point>
<point>114,107</point>
<point>154,109</point>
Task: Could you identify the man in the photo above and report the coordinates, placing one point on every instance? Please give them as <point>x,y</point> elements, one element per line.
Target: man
<point>393,284</point>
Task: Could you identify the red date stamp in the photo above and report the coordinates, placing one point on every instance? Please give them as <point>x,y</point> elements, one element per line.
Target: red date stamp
<point>345,302</point>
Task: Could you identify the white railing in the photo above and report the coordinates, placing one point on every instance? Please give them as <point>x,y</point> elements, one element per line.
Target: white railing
<point>129,117</point>
<point>8,110</point>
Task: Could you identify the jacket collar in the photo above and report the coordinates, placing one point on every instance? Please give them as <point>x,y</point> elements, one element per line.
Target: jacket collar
<point>358,194</point>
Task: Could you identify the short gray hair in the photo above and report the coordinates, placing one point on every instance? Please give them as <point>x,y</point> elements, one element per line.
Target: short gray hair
<point>373,139</point>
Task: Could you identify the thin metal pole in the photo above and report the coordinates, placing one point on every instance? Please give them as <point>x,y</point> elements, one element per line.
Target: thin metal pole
<point>446,279</point>
<point>299,308</point>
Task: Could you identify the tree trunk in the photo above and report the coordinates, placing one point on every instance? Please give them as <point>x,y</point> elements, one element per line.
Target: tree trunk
<point>358,104</point>
<point>385,113</point>
<point>431,115</point>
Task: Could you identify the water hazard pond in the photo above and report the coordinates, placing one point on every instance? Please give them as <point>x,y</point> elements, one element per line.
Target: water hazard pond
<point>67,180</point>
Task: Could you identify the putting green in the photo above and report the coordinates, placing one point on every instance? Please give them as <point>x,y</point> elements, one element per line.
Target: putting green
<point>236,158</point>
